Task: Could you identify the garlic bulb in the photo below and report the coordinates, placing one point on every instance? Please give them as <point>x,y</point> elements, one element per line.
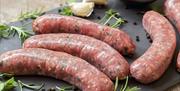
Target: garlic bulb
<point>83,9</point>
<point>99,2</point>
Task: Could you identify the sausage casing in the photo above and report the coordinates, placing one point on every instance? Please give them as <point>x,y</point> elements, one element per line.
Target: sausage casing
<point>96,52</point>
<point>68,24</point>
<point>35,61</point>
<point>154,62</point>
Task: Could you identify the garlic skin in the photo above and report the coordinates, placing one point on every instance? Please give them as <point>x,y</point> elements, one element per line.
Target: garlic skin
<point>98,2</point>
<point>82,9</point>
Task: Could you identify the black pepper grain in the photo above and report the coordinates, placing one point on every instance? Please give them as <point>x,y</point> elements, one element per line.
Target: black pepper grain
<point>59,10</point>
<point>125,21</point>
<point>150,40</point>
<point>137,38</point>
<point>98,17</point>
<point>135,23</point>
<point>148,36</point>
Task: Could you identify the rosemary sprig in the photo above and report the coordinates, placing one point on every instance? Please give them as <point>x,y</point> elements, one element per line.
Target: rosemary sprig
<point>125,87</point>
<point>109,15</point>
<point>6,31</point>
<point>34,87</point>
<point>65,88</point>
<point>126,83</point>
<point>30,14</point>
<point>5,75</point>
<point>116,84</point>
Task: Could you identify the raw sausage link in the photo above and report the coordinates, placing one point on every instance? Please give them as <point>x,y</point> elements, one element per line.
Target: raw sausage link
<point>178,62</point>
<point>68,24</point>
<point>172,11</point>
<point>35,61</point>
<point>154,62</point>
<point>96,52</point>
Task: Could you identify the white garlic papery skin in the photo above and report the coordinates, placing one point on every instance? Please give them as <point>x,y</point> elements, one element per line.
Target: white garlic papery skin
<point>99,2</point>
<point>83,9</point>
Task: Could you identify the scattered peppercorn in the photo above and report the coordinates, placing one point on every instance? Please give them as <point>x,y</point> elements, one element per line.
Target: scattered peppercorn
<point>135,23</point>
<point>150,40</point>
<point>137,38</point>
<point>59,10</point>
<point>98,17</point>
<point>125,21</point>
<point>148,36</point>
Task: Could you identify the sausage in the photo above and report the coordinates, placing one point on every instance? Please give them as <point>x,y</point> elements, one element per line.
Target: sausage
<point>154,62</point>
<point>96,52</point>
<point>172,11</point>
<point>178,62</point>
<point>62,66</point>
<point>69,24</point>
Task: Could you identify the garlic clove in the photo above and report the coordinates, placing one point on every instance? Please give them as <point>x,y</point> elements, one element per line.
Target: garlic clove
<point>99,2</point>
<point>83,9</point>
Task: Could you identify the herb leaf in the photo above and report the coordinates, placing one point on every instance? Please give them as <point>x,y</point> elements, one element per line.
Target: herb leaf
<point>66,10</point>
<point>8,85</point>
<point>5,75</point>
<point>125,87</point>
<point>109,15</point>
<point>116,84</point>
<point>6,31</point>
<point>30,14</point>
<point>35,87</point>
<point>65,88</point>
<point>126,83</point>
<point>132,89</point>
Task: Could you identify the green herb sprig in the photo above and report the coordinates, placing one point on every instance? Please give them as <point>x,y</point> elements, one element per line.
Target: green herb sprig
<point>109,15</point>
<point>7,31</point>
<point>8,85</point>
<point>30,14</point>
<point>32,87</point>
<point>12,83</point>
<point>65,88</point>
<point>5,75</point>
<point>66,10</point>
<point>125,87</point>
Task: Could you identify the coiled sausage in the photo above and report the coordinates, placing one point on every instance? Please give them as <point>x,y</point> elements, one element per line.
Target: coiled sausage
<point>154,62</point>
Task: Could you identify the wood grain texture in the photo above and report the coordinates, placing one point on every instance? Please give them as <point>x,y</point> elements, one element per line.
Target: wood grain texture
<point>9,9</point>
